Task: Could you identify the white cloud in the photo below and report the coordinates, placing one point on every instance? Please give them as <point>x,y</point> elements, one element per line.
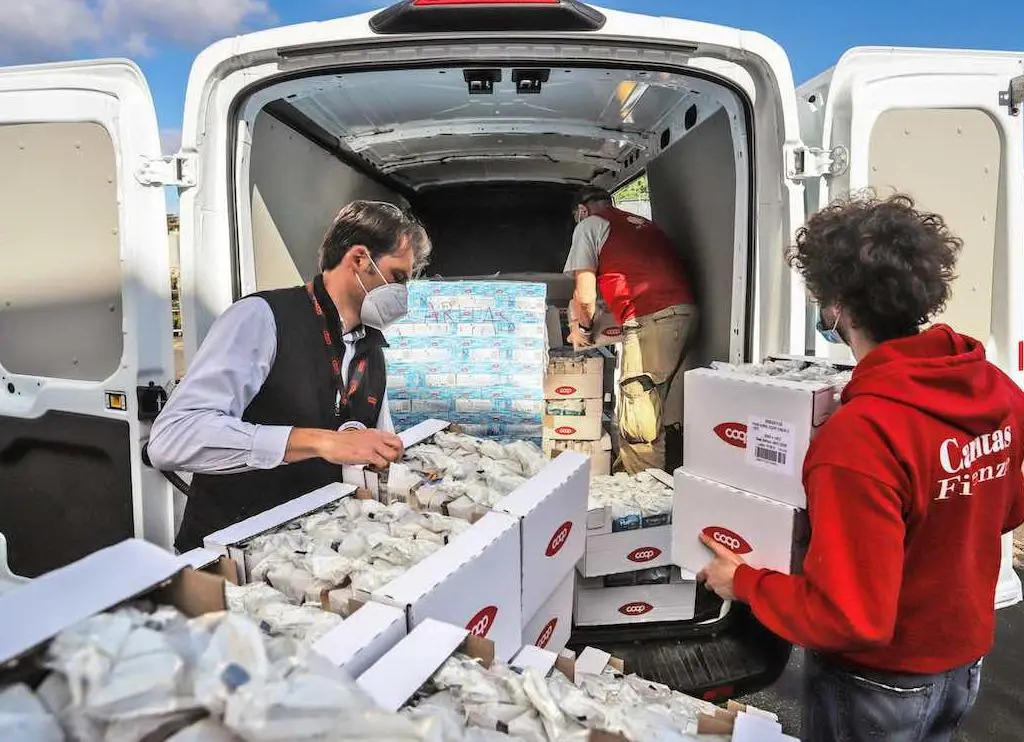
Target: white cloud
<point>40,30</point>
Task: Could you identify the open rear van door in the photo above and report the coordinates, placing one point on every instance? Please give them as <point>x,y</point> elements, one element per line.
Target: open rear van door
<point>85,316</point>
<point>945,127</point>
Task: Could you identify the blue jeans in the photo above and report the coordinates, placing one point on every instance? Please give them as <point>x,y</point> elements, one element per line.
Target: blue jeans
<point>843,704</point>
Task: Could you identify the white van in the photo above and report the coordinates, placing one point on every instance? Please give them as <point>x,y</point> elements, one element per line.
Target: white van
<point>484,118</point>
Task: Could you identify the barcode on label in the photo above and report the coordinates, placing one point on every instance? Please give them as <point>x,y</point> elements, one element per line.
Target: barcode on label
<point>770,455</point>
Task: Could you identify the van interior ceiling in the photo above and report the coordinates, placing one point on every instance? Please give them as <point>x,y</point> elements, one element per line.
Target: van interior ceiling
<point>490,158</point>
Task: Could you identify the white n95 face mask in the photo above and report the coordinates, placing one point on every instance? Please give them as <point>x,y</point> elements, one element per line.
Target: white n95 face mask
<point>384,305</point>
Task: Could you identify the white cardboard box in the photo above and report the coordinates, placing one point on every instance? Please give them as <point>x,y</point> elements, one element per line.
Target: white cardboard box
<point>551,625</point>
<point>231,541</point>
<point>552,510</point>
<point>606,330</point>
<point>574,378</point>
<point>600,452</point>
<point>597,605</point>
<point>585,427</point>
<point>752,432</point>
<point>475,582</point>
<point>767,534</point>
<point>363,638</point>
<point>626,551</point>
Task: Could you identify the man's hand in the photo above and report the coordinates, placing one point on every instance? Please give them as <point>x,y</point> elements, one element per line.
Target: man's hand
<point>579,339</point>
<point>370,447</point>
<point>719,574</point>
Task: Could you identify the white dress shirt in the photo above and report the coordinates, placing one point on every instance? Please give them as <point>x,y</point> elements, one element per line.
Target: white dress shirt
<point>201,429</point>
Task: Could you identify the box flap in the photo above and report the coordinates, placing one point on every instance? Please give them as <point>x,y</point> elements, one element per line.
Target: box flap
<point>250,527</point>
<point>398,674</point>
<point>42,608</point>
<point>591,661</point>
<point>531,656</point>
<point>368,631</point>
<point>527,496</point>
<point>421,431</point>
<point>755,728</point>
<point>662,476</point>
<point>199,558</point>
<point>194,593</point>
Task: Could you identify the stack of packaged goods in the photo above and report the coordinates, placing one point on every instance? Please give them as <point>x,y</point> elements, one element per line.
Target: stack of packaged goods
<point>746,432</point>
<point>625,574</point>
<point>472,351</point>
<point>574,407</point>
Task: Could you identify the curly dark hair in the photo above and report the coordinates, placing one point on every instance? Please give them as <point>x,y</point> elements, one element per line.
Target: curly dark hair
<point>887,264</point>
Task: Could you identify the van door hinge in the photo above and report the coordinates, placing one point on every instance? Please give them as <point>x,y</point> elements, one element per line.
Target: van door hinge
<point>804,163</point>
<point>152,399</point>
<point>177,170</point>
<point>1013,96</point>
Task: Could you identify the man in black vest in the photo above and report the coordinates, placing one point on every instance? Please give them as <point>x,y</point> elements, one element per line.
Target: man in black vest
<point>289,384</point>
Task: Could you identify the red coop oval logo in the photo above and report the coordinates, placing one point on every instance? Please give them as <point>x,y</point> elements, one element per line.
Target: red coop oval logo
<point>558,539</point>
<point>729,539</point>
<point>638,608</point>
<point>735,434</point>
<point>565,391</point>
<point>644,554</point>
<point>566,430</point>
<point>613,332</point>
<point>546,633</point>
<point>482,622</point>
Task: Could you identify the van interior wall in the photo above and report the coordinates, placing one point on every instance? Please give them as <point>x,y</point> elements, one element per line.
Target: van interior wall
<point>296,188</point>
<point>693,198</point>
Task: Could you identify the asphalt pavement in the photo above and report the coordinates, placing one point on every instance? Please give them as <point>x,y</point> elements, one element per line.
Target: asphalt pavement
<point>997,717</point>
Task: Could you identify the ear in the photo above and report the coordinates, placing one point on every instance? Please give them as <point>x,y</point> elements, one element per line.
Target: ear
<point>358,257</point>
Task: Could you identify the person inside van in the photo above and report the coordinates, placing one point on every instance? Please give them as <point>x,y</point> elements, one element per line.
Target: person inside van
<point>639,274</point>
<point>910,486</point>
<point>290,383</point>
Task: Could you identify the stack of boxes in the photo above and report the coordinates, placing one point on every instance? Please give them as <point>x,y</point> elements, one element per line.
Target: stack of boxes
<point>745,438</point>
<point>626,575</point>
<point>574,392</point>
<point>472,351</point>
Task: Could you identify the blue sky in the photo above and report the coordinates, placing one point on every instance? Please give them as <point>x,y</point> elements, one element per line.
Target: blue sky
<point>164,35</point>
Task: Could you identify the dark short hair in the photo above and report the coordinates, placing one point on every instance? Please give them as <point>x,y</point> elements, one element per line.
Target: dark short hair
<point>380,227</point>
<point>888,265</point>
<point>592,195</point>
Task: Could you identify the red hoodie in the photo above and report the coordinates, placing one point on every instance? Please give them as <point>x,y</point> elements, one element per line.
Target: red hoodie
<point>909,488</point>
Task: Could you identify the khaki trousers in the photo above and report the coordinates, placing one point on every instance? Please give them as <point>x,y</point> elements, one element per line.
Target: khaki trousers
<point>652,347</point>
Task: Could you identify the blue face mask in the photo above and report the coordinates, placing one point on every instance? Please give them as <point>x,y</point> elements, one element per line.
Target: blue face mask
<point>830,334</point>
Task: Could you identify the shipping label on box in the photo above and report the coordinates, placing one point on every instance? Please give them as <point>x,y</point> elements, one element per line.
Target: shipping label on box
<point>475,582</point>
<point>672,600</point>
<point>752,432</point>
<point>552,508</point>
<point>551,626</point>
<point>363,638</point>
<point>626,551</point>
<point>574,419</point>
<point>766,533</point>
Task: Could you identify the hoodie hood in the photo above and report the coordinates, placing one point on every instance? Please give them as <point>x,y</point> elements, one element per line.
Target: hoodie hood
<point>941,373</point>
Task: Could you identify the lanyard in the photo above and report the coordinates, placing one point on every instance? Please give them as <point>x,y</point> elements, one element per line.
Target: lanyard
<point>334,345</point>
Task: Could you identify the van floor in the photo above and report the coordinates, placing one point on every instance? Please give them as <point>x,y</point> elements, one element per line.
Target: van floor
<point>998,715</point>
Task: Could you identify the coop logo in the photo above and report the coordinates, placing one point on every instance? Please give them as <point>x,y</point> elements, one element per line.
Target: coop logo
<point>735,434</point>
<point>730,540</point>
<point>482,622</point>
<point>565,430</point>
<point>558,539</point>
<point>644,554</point>
<point>638,608</point>
<point>546,634</point>
<point>565,391</point>
<point>612,332</point>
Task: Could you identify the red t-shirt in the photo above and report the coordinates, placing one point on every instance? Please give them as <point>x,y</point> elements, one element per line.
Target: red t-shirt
<point>909,487</point>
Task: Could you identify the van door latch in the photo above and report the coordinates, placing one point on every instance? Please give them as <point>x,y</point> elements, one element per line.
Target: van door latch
<point>177,171</point>
<point>152,399</point>
<point>1013,96</point>
<point>805,163</point>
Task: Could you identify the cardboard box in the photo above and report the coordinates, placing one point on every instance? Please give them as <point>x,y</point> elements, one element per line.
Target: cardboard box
<point>39,610</point>
<point>752,432</point>
<point>606,330</point>
<point>375,480</point>
<point>475,582</point>
<point>585,427</point>
<point>231,541</point>
<point>574,377</point>
<point>598,605</point>
<point>551,625</point>
<point>363,638</point>
<point>552,510</point>
<point>626,551</point>
<point>600,452</point>
<point>766,533</point>
<point>600,520</point>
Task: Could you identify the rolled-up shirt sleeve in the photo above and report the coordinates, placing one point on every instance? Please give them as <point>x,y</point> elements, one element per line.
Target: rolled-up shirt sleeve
<point>201,429</point>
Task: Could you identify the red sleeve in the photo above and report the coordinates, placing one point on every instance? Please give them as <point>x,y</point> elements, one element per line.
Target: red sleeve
<point>1016,515</point>
<point>847,596</point>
